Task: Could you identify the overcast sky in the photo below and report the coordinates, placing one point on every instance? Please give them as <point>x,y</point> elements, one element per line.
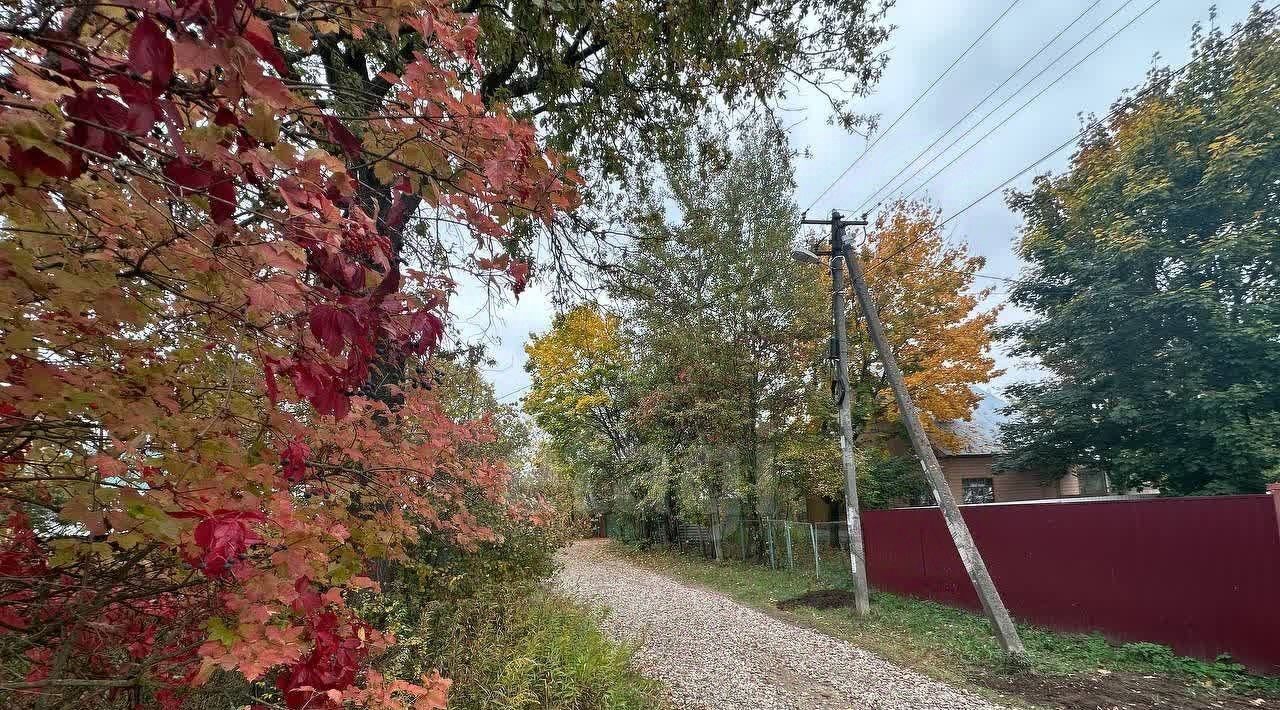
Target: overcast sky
<point>930,35</point>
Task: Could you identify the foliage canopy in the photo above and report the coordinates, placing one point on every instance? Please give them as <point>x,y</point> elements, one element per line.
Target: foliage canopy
<point>216,424</point>
<point>1154,282</point>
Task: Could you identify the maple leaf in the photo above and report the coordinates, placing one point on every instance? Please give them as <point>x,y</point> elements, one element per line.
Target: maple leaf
<point>151,52</point>
<point>222,200</point>
<point>293,460</point>
<point>332,326</point>
<point>346,140</point>
<point>260,36</point>
<point>191,176</point>
<point>222,537</point>
<point>519,272</point>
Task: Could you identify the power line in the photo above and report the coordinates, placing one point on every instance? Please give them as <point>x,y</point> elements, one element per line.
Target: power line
<point>1029,101</point>
<point>1113,113</point>
<point>917,100</point>
<point>976,106</point>
<point>517,390</point>
<point>1018,110</point>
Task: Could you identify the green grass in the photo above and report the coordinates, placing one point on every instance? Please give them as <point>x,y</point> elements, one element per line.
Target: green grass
<point>532,649</point>
<point>949,644</point>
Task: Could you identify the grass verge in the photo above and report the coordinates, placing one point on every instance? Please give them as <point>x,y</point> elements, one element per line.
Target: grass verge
<point>534,649</point>
<point>1067,670</point>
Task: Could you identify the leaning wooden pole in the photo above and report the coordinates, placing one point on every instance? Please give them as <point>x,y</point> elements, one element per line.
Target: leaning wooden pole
<point>992,605</point>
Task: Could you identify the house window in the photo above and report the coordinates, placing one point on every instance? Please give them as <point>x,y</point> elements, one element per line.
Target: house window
<point>1093,483</point>
<point>977,490</point>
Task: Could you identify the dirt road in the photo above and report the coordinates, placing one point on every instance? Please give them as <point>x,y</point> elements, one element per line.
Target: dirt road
<point>715,653</point>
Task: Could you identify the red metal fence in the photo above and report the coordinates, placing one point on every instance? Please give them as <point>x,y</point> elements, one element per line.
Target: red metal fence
<point>1199,574</point>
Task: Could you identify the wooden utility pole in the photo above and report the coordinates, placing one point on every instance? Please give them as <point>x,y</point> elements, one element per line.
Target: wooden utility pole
<point>853,520</point>
<point>992,605</point>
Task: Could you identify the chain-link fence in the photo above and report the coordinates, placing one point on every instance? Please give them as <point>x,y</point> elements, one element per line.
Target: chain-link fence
<point>817,548</point>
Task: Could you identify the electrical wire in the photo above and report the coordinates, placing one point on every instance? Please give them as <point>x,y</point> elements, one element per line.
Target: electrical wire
<point>1028,102</point>
<point>517,390</point>
<point>1114,112</point>
<point>978,105</point>
<point>880,136</point>
<point>1110,115</point>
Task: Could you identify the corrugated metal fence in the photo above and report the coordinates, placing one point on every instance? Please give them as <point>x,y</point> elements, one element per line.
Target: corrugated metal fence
<point>1199,574</point>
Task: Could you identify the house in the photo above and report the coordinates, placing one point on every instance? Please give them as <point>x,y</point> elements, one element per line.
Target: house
<point>969,468</point>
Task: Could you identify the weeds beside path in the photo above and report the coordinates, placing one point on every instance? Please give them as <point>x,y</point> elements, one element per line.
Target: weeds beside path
<point>1067,670</point>
<point>715,653</point>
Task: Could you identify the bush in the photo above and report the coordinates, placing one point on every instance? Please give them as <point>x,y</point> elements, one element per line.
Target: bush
<point>526,648</point>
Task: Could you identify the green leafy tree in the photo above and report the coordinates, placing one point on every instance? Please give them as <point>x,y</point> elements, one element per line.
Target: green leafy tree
<point>466,395</point>
<point>618,83</point>
<point>1154,283</point>
<point>726,325</point>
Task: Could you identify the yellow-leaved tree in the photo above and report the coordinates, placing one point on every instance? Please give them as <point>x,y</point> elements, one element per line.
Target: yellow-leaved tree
<point>934,320</point>
<point>579,371</point>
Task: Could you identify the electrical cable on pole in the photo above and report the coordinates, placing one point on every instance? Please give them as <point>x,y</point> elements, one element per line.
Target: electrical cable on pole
<point>880,136</point>
<point>980,102</point>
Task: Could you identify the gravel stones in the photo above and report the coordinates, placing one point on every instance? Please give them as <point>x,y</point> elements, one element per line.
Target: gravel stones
<point>714,653</point>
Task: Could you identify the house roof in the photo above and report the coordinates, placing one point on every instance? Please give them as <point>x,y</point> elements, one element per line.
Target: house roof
<point>981,431</point>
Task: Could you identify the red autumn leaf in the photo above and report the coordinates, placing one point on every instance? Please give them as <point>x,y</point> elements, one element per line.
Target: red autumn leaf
<point>336,269</point>
<point>222,537</point>
<point>224,116</point>
<point>260,36</point>
<point>293,460</point>
<point>425,331</point>
<point>143,109</point>
<point>501,261</point>
<point>25,160</point>
<point>191,176</point>
<point>151,52</point>
<point>398,214</point>
<point>98,122</point>
<point>519,272</point>
<point>322,386</point>
<point>273,389</point>
<point>340,134</point>
<point>389,284</point>
<point>332,326</point>
<point>224,15</point>
<point>334,660</point>
<point>222,200</point>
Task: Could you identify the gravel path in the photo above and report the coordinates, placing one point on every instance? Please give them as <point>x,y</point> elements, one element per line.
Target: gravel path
<point>712,652</point>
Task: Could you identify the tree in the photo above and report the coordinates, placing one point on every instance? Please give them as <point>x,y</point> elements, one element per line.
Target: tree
<point>1154,283</point>
<point>211,428</point>
<point>727,326</point>
<point>617,84</point>
<point>465,395</point>
<point>578,396</point>
<point>932,317</point>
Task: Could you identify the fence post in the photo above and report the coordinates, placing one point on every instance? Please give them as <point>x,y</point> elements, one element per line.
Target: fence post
<point>1274,490</point>
<point>791,561</point>
<point>742,535</point>
<point>773,562</point>
<point>813,540</point>
<point>715,531</point>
